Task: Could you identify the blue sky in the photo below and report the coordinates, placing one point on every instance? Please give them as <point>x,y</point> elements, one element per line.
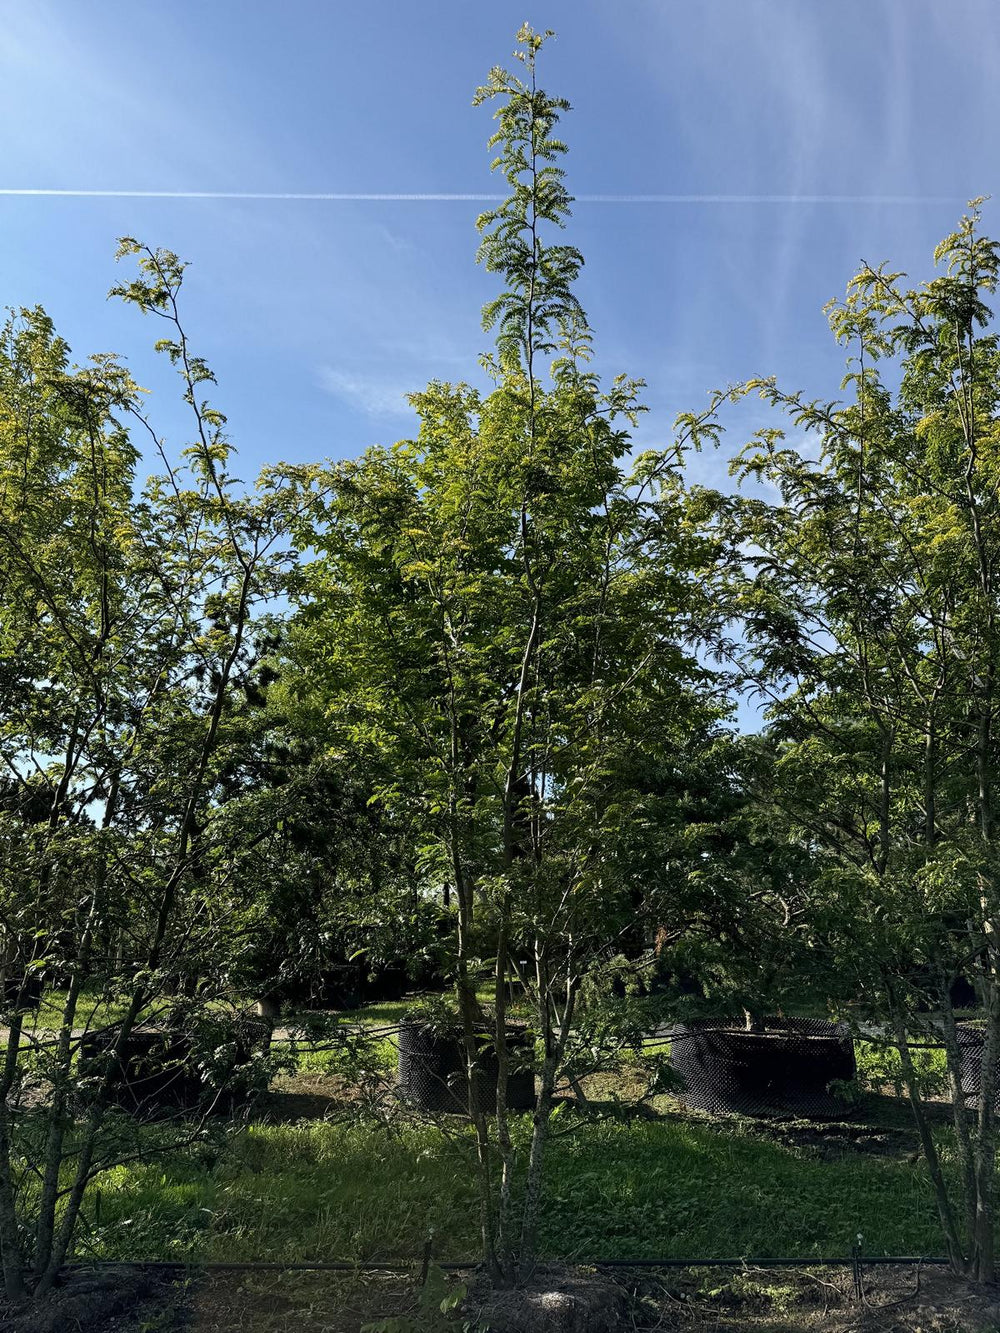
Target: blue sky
<point>319,315</point>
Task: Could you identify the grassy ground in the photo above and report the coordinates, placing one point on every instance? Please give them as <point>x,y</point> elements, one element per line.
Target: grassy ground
<point>672,1187</point>
<point>677,1186</point>
<point>308,1179</point>
<point>91,1011</point>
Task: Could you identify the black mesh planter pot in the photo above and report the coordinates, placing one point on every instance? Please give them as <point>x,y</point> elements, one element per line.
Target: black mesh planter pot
<point>432,1070</point>
<point>786,1070</point>
<point>157,1069</point>
<point>154,1068</point>
<point>961,992</point>
<point>387,982</point>
<point>970,1045</point>
<point>341,986</point>
<point>21,992</point>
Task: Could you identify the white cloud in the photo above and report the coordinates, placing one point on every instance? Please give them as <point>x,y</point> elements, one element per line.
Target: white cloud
<point>371,394</point>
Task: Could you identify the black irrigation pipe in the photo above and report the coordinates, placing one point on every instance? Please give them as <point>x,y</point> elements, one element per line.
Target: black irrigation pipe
<point>660,1036</point>
<point>343,1266</point>
<point>866,1260</point>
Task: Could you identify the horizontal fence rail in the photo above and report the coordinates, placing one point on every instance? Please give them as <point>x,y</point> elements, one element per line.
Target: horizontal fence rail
<point>467,1265</point>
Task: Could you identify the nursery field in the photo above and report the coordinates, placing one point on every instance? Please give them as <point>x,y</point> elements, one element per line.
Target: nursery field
<point>308,1175</point>
<point>310,1178</point>
<point>673,1187</point>
<point>677,1186</point>
<point>316,1171</point>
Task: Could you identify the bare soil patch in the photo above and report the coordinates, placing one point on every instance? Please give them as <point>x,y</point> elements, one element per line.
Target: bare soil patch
<point>817,1301</point>
<point>302,1096</point>
<point>107,1300</point>
<point>297,1302</point>
<point>555,1300</point>
<point>559,1300</point>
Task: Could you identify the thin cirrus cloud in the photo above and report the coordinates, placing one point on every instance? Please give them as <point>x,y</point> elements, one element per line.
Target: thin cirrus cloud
<point>368,394</point>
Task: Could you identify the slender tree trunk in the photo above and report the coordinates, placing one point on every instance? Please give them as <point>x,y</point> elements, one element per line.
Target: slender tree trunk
<point>555,1046</point>
<point>58,1124</point>
<point>64,1235</point>
<point>930,784</point>
<point>269,1009</point>
<point>942,1198</point>
<point>504,1247</point>
<point>885,802</point>
<point>58,1118</point>
<point>986,1138</point>
<point>140,996</point>
<point>468,1008</point>
<point>11,1254</point>
<point>539,1136</point>
<point>88,1143</point>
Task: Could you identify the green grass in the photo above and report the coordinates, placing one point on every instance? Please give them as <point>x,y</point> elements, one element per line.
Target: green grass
<point>879,1065</point>
<point>679,1190</point>
<point>385,1012</point>
<point>380,1014</point>
<point>91,1011</point>
<point>377,1054</point>
<point>669,1188</point>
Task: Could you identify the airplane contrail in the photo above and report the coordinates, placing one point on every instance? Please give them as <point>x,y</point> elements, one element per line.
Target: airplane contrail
<point>424,197</point>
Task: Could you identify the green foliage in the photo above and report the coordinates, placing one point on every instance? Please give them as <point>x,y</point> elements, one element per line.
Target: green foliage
<point>538,297</point>
<point>866,597</point>
<point>879,1067</point>
<point>869,618</point>
<point>134,627</point>
<point>438,1013</point>
<point>363,1060</point>
<point>617,1189</point>
<point>496,617</point>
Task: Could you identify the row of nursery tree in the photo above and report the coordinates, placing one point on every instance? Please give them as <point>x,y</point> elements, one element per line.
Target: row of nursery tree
<point>465,703</point>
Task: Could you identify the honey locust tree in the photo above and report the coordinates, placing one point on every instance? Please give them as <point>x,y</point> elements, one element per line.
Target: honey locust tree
<point>503,610</point>
<point>867,595</point>
<point>130,622</point>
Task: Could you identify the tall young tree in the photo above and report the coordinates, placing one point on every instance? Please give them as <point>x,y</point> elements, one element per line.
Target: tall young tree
<point>502,610</point>
<point>868,600</point>
<point>129,630</point>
